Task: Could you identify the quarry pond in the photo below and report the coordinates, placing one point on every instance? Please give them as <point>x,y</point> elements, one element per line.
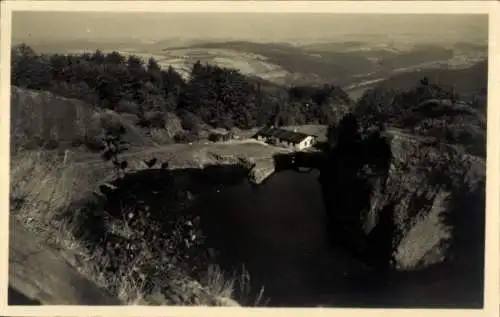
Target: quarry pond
<point>276,230</point>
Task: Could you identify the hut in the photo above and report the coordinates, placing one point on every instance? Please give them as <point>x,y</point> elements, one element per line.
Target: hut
<point>285,138</point>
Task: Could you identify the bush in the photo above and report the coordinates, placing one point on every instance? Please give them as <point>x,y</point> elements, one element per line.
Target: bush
<point>125,106</point>
<point>161,136</point>
<point>186,137</point>
<point>147,233</point>
<point>173,124</point>
<point>190,121</point>
<point>152,119</point>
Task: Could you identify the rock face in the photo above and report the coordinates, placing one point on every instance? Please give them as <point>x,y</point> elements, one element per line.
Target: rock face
<point>399,209</point>
<point>40,274</point>
<point>396,199</point>
<point>427,180</point>
<point>43,119</point>
<point>261,170</point>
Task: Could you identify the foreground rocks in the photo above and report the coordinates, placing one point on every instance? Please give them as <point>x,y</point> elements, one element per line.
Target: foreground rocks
<point>44,276</point>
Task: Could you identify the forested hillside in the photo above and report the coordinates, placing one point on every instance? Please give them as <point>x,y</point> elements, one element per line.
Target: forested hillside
<point>213,95</point>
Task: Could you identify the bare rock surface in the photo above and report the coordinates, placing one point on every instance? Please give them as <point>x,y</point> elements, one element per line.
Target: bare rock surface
<point>40,274</point>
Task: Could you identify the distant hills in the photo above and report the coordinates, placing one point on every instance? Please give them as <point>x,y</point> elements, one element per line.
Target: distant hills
<point>351,64</point>
<point>466,81</point>
<point>346,64</point>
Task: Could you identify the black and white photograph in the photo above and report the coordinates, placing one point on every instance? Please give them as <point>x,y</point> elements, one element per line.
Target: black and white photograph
<point>248,159</point>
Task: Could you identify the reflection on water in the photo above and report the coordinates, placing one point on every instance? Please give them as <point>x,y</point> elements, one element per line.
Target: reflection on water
<point>277,231</point>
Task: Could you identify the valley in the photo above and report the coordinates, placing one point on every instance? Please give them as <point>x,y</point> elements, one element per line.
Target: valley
<point>355,66</point>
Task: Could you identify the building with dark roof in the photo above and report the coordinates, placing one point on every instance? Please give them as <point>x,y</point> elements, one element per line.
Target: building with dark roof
<point>285,138</point>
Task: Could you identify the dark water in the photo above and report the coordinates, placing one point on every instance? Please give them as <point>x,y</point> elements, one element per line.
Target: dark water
<point>277,231</point>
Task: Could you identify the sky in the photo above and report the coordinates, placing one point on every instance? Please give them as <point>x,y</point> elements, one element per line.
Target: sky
<point>244,26</point>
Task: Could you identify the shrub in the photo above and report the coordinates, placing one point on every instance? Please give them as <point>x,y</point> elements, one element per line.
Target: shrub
<point>125,106</point>
<point>190,121</point>
<point>115,145</point>
<point>173,124</point>
<point>152,119</point>
<point>161,136</point>
<point>186,137</point>
<point>141,229</point>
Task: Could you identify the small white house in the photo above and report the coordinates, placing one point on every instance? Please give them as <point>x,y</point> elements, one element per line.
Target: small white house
<point>308,142</point>
<point>284,138</point>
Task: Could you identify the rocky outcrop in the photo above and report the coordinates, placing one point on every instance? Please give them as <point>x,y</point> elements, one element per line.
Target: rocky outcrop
<point>424,182</point>
<point>41,274</point>
<point>391,197</point>
<point>261,170</point>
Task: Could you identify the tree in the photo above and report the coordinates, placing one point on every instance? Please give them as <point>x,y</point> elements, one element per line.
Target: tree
<point>134,62</point>
<point>29,69</point>
<point>108,90</point>
<point>197,69</point>
<point>424,81</point>
<point>98,57</point>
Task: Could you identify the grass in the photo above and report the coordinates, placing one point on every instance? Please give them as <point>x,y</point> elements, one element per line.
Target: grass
<point>50,189</point>
<point>49,192</point>
<point>236,286</point>
<point>41,185</point>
